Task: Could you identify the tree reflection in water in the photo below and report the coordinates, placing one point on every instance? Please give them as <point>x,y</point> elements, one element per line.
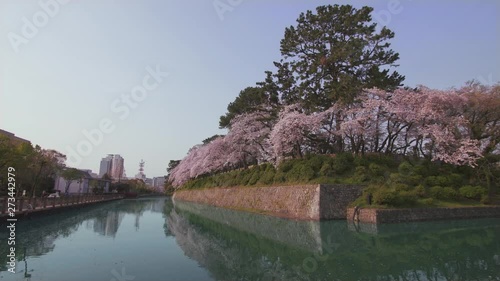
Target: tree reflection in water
<point>453,250</point>
<point>235,245</point>
<point>35,237</point>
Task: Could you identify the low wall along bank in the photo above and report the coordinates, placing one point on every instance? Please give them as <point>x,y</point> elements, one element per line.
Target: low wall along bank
<point>420,214</point>
<point>305,202</point>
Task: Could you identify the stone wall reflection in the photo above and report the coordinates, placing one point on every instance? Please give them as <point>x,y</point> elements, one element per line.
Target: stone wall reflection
<point>240,246</point>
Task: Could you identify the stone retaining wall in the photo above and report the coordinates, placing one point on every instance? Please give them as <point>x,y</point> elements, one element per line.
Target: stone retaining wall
<point>421,214</point>
<point>306,202</point>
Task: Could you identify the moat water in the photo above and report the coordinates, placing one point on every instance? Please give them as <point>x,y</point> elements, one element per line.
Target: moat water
<point>155,239</point>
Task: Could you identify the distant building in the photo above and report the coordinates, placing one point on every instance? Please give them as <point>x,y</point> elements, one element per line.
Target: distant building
<point>92,174</point>
<point>141,175</point>
<point>158,183</point>
<point>105,167</point>
<point>81,186</point>
<point>77,186</point>
<point>13,138</point>
<point>148,181</point>
<point>113,166</point>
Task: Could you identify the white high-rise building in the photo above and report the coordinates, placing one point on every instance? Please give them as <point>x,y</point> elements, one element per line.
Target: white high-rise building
<point>113,166</point>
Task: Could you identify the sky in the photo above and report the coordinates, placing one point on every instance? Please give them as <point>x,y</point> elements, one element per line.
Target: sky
<point>149,79</point>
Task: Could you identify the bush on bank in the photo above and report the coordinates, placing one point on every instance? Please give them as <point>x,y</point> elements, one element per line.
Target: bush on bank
<point>391,181</point>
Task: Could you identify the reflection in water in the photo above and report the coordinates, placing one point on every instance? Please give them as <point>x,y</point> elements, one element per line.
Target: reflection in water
<point>37,236</point>
<point>241,246</point>
<point>27,275</point>
<point>233,245</point>
<point>108,225</point>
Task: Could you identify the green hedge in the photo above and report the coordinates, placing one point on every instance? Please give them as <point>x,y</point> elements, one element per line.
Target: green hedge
<point>393,181</point>
<point>473,192</point>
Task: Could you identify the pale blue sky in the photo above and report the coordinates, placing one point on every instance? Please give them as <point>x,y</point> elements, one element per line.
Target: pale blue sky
<point>65,78</point>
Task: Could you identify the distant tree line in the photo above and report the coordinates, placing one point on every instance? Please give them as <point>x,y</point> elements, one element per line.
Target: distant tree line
<point>36,168</point>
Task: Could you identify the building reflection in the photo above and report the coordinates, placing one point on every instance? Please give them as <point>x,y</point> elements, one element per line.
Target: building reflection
<point>37,236</point>
<point>235,245</point>
<point>108,225</point>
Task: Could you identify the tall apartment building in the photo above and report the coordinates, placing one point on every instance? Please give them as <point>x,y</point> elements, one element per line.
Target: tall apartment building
<point>113,166</point>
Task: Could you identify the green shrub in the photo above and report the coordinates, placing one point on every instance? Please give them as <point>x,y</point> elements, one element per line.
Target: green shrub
<point>300,173</point>
<point>473,192</point>
<point>428,201</point>
<point>279,177</point>
<point>342,163</point>
<point>455,180</point>
<point>438,181</point>
<point>255,176</point>
<point>307,173</point>
<point>360,174</point>
<point>286,166</point>
<point>267,167</point>
<point>326,170</point>
<point>382,159</point>
<point>360,161</point>
<point>396,178</point>
<point>400,187</point>
<point>361,170</point>
<point>450,193</point>
<point>431,181</point>
<point>421,170</point>
<point>406,198</point>
<point>324,180</point>
<point>376,170</point>
<point>378,179</point>
<point>293,175</point>
<point>411,179</point>
<point>405,168</point>
<point>267,177</point>
<point>384,196</point>
<point>245,178</point>
<point>445,193</point>
<point>316,162</point>
<point>436,192</point>
<point>414,179</point>
<point>420,191</point>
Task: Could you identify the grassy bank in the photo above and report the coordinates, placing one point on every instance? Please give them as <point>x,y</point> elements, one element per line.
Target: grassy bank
<point>390,181</point>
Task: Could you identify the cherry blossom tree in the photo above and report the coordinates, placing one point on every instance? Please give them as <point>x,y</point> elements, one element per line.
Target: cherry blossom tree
<point>430,121</point>
<point>246,143</point>
<point>290,134</point>
<point>182,172</point>
<point>454,126</point>
<point>483,115</point>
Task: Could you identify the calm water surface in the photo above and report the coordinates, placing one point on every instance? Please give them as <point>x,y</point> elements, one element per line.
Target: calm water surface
<point>154,239</point>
